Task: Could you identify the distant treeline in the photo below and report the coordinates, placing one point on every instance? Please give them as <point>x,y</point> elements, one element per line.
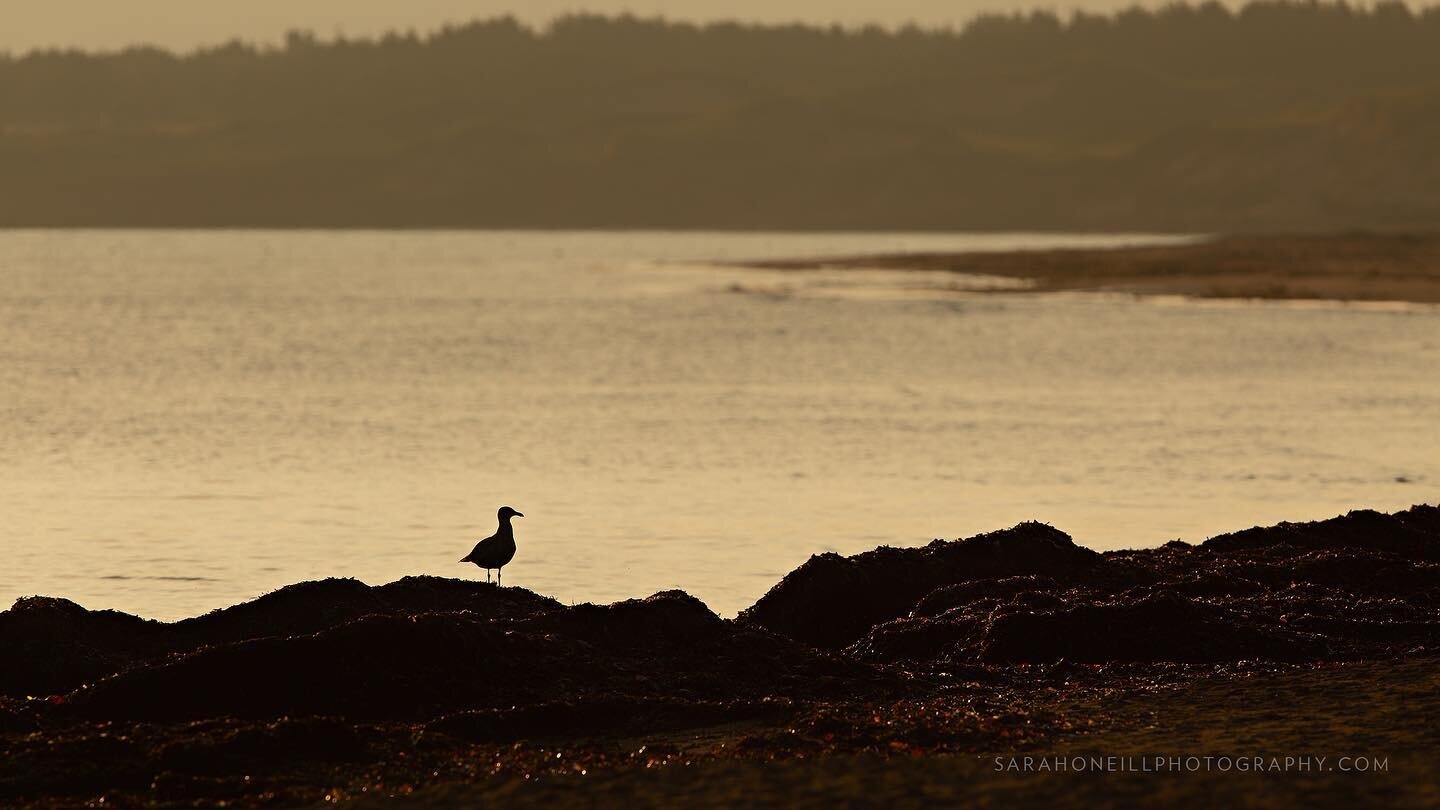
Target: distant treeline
<point>1275,117</point>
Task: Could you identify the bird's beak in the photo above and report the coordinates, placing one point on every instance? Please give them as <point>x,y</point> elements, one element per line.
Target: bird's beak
<point>518,514</point>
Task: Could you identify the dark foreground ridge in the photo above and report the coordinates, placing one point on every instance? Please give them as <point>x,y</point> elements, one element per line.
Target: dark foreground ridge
<point>1001,642</point>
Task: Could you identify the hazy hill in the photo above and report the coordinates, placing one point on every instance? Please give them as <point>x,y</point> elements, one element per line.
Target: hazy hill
<point>1191,118</point>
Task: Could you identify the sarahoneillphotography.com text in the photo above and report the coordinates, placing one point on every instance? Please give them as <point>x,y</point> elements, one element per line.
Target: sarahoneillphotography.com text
<point>1171,763</point>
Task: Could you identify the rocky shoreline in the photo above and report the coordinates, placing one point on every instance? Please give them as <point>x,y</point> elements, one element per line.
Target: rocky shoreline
<point>1016,640</point>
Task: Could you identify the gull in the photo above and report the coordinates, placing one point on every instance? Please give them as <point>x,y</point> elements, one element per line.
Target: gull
<point>497,549</point>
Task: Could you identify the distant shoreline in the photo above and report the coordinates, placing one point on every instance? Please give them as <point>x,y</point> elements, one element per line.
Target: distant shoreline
<point>1341,267</point>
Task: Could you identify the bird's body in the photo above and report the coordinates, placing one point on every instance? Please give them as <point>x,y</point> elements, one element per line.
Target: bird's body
<point>497,550</point>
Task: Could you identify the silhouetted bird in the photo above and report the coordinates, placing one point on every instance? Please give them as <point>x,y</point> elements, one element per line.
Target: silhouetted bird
<point>497,549</point>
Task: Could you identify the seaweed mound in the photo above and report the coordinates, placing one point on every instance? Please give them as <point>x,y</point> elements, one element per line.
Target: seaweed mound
<point>416,667</point>
<point>59,645</point>
<point>1157,627</point>
<point>1363,585</point>
<point>1413,534</point>
<point>53,645</point>
<point>830,601</point>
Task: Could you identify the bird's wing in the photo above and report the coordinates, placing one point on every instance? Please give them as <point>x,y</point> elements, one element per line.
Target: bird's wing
<point>481,547</point>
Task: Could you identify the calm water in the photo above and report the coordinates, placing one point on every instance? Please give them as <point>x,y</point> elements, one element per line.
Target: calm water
<point>191,419</point>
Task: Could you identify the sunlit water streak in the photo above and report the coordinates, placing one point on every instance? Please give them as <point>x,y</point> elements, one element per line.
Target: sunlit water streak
<point>191,419</point>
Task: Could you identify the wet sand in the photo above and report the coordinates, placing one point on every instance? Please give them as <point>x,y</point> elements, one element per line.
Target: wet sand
<point>1338,267</point>
<point>896,676</point>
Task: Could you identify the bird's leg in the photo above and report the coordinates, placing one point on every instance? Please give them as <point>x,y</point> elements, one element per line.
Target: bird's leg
<point>487,574</point>
<point>498,572</point>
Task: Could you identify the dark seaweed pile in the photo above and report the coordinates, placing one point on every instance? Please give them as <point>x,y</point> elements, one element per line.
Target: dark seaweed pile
<point>925,649</point>
<point>417,656</point>
<point>1358,586</point>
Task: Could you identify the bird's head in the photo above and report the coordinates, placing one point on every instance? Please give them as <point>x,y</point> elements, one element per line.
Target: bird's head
<point>507,513</point>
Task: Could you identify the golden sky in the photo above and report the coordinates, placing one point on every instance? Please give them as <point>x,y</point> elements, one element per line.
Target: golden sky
<point>184,24</point>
